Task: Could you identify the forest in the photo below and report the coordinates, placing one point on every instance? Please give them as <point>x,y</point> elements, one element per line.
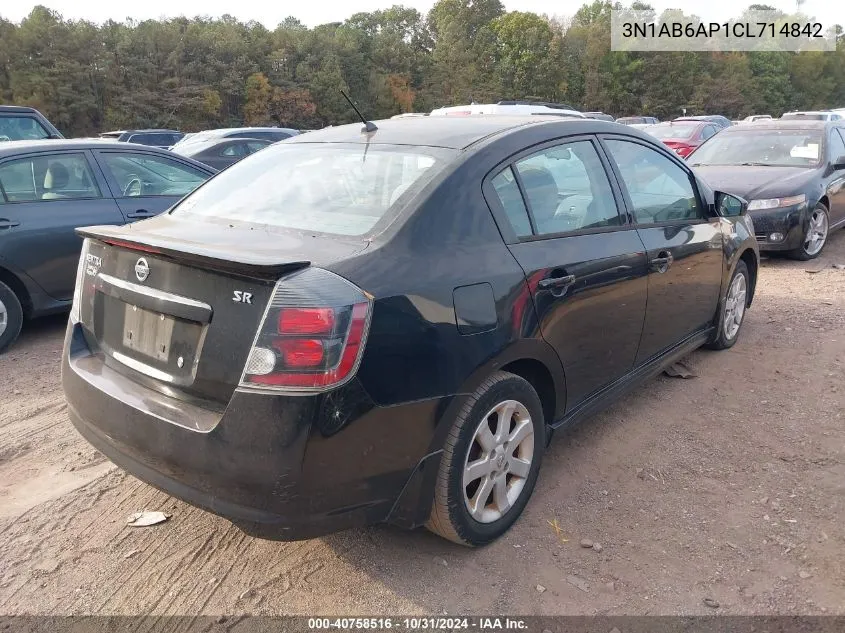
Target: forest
<point>196,73</point>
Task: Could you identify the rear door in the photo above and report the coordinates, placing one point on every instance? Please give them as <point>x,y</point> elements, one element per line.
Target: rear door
<point>683,245</point>
<point>146,184</point>
<point>43,198</point>
<point>585,265</point>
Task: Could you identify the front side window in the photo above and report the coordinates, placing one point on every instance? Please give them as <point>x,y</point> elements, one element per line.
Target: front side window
<point>21,128</point>
<point>56,177</point>
<point>660,190</point>
<point>567,189</point>
<point>148,175</point>
<point>336,188</point>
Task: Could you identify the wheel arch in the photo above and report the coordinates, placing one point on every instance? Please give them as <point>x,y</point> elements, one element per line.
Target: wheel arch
<point>753,265</point>
<point>19,288</point>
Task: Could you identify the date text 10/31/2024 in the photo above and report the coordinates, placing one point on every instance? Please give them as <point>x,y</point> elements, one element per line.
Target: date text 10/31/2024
<point>419,623</point>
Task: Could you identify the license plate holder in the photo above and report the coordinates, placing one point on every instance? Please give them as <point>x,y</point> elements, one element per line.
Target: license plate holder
<point>148,333</point>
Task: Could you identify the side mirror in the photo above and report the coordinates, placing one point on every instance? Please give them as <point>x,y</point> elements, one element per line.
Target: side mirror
<point>839,163</point>
<point>730,206</point>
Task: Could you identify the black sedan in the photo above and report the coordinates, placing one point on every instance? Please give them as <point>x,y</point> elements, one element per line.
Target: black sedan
<point>355,327</point>
<point>792,173</point>
<point>221,153</point>
<point>48,189</point>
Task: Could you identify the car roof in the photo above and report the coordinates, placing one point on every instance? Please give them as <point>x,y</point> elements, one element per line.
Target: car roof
<point>457,132</point>
<point>11,148</point>
<point>152,130</point>
<point>18,109</point>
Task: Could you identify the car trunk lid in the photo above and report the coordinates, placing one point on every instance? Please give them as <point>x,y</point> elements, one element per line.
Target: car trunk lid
<point>176,305</point>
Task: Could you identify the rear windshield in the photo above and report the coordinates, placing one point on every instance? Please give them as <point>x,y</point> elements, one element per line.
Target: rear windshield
<point>672,131</point>
<point>341,189</point>
<point>21,128</point>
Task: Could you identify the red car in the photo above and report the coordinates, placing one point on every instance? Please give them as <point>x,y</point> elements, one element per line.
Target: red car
<point>683,136</point>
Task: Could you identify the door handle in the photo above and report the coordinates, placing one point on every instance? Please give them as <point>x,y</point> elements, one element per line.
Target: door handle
<point>8,224</point>
<point>564,281</point>
<point>662,262</point>
<point>140,213</point>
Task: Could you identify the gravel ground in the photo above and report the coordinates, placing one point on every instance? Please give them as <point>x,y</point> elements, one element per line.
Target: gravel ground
<point>727,488</point>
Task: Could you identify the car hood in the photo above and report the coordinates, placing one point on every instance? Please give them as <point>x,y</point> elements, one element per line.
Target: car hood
<point>754,183</point>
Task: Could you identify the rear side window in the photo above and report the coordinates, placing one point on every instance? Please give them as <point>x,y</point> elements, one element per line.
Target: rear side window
<point>56,177</point>
<point>708,132</point>
<point>660,190</point>
<point>21,128</point>
<point>148,175</point>
<point>342,189</point>
<point>568,189</point>
<point>509,195</point>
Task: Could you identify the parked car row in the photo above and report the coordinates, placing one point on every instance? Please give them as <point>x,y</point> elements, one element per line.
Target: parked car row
<point>439,293</point>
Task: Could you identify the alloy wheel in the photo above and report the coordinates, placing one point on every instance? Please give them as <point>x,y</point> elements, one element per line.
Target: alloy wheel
<point>4,317</point>
<point>735,304</point>
<point>816,233</point>
<point>498,461</point>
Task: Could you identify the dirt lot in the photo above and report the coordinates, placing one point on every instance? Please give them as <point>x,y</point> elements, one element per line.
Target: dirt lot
<point>728,486</point>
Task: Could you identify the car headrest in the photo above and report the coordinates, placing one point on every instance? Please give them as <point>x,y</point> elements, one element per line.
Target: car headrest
<point>541,189</point>
<point>57,176</point>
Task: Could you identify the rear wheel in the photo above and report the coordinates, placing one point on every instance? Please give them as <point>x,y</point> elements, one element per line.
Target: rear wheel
<point>816,235</point>
<point>733,309</point>
<point>11,316</point>
<point>490,462</point>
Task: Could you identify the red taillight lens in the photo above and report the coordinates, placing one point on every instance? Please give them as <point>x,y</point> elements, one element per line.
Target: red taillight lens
<point>306,321</point>
<point>300,352</point>
<point>312,335</point>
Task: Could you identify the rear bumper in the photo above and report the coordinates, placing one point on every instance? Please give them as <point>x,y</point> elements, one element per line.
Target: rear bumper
<point>279,467</point>
<point>789,222</point>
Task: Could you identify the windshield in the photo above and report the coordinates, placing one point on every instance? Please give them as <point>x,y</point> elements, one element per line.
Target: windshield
<point>775,148</point>
<point>342,189</point>
<point>21,128</point>
<point>674,130</point>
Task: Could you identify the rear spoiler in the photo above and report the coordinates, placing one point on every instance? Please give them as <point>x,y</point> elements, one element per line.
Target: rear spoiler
<point>237,262</point>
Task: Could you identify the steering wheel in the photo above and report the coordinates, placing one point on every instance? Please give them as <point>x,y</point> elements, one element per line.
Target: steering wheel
<point>133,187</point>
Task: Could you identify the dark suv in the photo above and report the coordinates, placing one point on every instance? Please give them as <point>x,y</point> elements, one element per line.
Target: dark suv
<point>19,123</point>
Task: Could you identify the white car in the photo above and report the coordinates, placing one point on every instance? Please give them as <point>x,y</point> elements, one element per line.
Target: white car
<point>508,107</point>
<point>757,117</point>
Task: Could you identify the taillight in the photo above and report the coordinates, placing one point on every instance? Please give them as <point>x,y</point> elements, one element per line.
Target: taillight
<point>80,276</point>
<point>312,335</point>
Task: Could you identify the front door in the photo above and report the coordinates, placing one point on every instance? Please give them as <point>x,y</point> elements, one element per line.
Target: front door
<point>146,184</point>
<point>585,265</point>
<point>43,198</point>
<point>683,244</point>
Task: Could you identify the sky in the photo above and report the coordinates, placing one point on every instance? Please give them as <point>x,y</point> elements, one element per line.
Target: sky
<point>322,11</point>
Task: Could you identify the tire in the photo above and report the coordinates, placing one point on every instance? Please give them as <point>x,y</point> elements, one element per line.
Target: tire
<point>726,335</point>
<point>11,316</point>
<point>505,463</point>
<point>819,227</point>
